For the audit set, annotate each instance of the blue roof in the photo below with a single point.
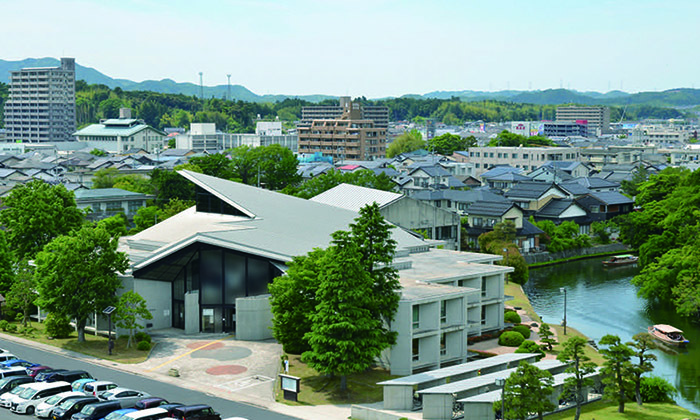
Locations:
(113, 128)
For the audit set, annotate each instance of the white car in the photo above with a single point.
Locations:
(4, 357)
(7, 398)
(35, 394)
(45, 409)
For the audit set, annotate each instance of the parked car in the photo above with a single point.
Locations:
(17, 362)
(44, 374)
(79, 385)
(68, 376)
(45, 409)
(35, 394)
(9, 396)
(119, 414)
(199, 412)
(13, 371)
(97, 387)
(11, 382)
(66, 410)
(97, 410)
(147, 414)
(150, 403)
(127, 397)
(4, 357)
(170, 407)
(33, 371)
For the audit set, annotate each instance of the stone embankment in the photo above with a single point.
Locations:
(541, 257)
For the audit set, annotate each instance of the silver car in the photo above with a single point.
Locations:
(126, 397)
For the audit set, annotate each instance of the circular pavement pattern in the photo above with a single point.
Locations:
(212, 346)
(226, 370)
(223, 354)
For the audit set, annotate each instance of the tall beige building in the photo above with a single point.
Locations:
(350, 137)
(598, 117)
(41, 104)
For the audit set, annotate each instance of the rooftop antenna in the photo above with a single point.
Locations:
(201, 86)
(228, 95)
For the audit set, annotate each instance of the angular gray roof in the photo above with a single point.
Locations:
(500, 170)
(510, 176)
(611, 197)
(531, 189)
(489, 208)
(107, 193)
(107, 129)
(468, 196)
(432, 170)
(592, 182)
(556, 206)
(353, 197)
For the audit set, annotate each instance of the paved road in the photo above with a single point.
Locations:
(170, 392)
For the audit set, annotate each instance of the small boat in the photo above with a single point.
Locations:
(620, 260)
(668, 334)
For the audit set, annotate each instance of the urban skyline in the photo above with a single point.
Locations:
(386, 48)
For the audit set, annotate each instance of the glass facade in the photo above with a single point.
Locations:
(219, 275)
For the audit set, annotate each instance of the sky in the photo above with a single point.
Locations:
(372, 48)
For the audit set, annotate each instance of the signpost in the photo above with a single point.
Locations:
(290, 386)
(110, 344)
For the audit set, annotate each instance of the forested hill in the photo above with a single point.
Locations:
(94, 102)
(681, 97)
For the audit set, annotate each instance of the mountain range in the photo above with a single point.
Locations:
(677, 98)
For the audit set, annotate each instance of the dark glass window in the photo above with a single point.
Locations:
(258, 276)
(179, 286)
(234, 277)
(209, 203)
(211, 276)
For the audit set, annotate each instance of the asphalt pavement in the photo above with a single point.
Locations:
(173, 393)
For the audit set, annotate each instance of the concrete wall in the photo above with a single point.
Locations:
(361, 412)
(551, 256)
(437, 406)
(399, 397)
(192, 312)
(253, 318)
(401, 351)
(158, 295)
(414, 214)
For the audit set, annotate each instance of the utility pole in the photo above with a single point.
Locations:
(228, 94)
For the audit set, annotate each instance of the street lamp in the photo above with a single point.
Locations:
(563, 289)
(501, 383)
(108, 311)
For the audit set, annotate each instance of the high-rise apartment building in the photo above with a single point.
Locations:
(41, 104)
(378, 114)
(597, 117)
(346, 137)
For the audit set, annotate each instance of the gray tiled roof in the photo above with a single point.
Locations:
(532, 189)
(611, 197)
(555, 207)
(489, 208)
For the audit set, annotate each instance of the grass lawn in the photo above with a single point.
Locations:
(520, 299)
(608, 411)
(317, 389)
(596, 357)
(93, 346)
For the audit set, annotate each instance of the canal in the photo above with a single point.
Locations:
(603, 301)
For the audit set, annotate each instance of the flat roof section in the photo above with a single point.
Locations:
(447, 372)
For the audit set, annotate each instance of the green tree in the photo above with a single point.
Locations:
(508, 139)
(173, 207)
(547, 337)
(345, 337)
(500, 242)
(333, 178)
(109, 108)
(7, 273)
(372, 234)
(144, 218)
(131, 307)
(105, 178)
(642, 344)
(447, 144)
(406, 142)
(616, 370)
(527, 390)
(278, 167)
(293, 300)
(631, 187)
(169, 185)
(22, 294)
(529, 346)
(116, 225)
(245, 163)
(98, 152)
(77, 274)
(216, 164)
(580, 367)
(35, 213)
(133, 183)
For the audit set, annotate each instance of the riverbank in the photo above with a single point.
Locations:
(543, 259)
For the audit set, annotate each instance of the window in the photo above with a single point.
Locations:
(525, 155)
(491, 154)
(443, 312)
(415, 352)
(443, 344)
(514, 155)
(416, 316)
(499, 155)
(483, 287)
(483, 315)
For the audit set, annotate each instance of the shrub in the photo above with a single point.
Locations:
(12, 328)
(655, 389)
(4, 325)
(57, 326)
(143, 345)
(511, 339)
(142, 336)
(512, 317)
(529, 346)
(28, 331)
(522, 329)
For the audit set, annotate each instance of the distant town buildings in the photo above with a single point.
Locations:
(526, 158)
(596, 117)
(350, 136)
(117, 135)
(204, 137)
(41, 104)
(376, 113)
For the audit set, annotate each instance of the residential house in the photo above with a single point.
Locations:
(559, 210)
(457, 200)
(403, 211)
(107, 202)
(532, 196)
(603, 206)
(485, 214)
